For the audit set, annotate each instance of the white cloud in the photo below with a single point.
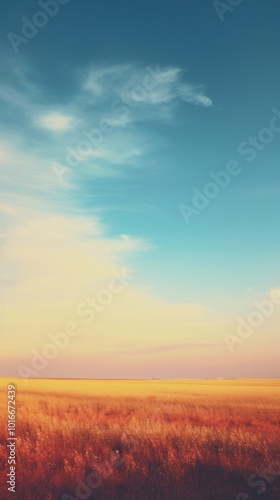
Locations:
(101, 80)
(274, 294)
(26, 170)
(114, 155)
(144, 95)
(195, 95)
(145, 85)
(56, 254)
(55, 121)
(53, 263)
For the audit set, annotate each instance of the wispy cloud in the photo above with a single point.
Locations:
(146, 85)
(54, 121)
(195, 95)
(104, 127)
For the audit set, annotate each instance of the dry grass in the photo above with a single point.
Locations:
(195, 440)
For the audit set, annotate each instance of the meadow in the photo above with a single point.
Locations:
(145, 439)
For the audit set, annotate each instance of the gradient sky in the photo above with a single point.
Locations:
(171, 91)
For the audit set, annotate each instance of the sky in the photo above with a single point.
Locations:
(140, 189)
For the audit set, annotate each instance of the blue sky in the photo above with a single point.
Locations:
(214, 85)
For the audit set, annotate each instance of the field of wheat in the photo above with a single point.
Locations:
(196, 440)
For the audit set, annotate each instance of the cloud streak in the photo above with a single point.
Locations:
(146, 85)
(171, 347)
(118, 102)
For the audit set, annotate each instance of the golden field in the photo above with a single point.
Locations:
(145, 439)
